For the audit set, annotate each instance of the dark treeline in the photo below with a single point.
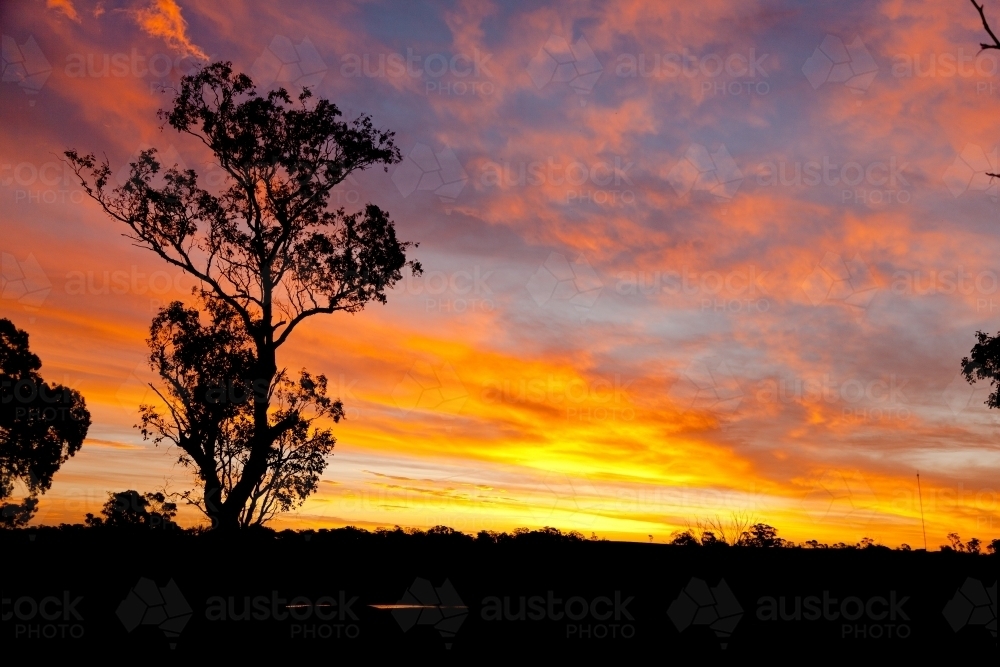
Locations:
(130, 512)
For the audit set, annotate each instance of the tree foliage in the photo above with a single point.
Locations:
(41, 425)
(984, 364)
(210, 397)
(130, 510)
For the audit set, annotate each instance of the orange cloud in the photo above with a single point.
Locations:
(64, 6)
(163, 19)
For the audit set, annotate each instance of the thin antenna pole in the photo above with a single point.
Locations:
(922, 524)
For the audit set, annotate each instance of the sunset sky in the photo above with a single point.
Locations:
(676, 263)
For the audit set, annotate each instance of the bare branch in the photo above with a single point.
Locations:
(989, 30)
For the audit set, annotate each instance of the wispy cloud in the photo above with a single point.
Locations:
(163, 19)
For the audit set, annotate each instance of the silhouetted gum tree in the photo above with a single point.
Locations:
(267, 246)
(41, 425)
(984, 364)
(209, 397)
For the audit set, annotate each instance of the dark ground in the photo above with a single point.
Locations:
(67, 592)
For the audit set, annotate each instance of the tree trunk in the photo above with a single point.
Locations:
(256, 466)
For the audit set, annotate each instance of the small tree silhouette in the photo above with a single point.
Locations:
(761, 535)
(41, 426)
(984, 364)
(955, 543)
(130, 510)
(266, 245)
(685, 539)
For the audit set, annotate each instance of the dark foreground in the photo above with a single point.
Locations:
(152, 598)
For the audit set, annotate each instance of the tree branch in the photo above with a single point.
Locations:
(989, 30)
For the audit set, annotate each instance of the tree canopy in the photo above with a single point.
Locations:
(41, 425)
